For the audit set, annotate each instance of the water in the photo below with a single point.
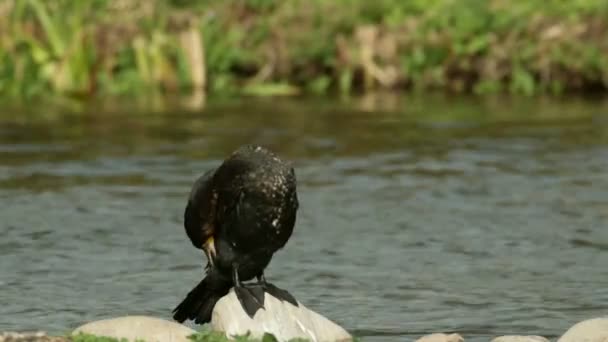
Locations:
(417, 215)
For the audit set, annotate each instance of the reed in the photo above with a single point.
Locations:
(269, 47)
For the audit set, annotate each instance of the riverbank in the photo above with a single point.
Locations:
(595, 329)
(261, 47)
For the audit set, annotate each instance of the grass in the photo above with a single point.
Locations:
(270, 47)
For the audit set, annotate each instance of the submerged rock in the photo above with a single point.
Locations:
(38, 336)
(149, 329)
(591, 330)
(440, 337)
(520, 338)
(281, 319)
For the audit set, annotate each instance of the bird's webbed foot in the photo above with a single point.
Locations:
(251, 296)
(276, 292)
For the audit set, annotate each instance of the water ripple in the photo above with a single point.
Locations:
(404, 229)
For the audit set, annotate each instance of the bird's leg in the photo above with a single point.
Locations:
(235, 276)
(275, 291)
(261, 279)
(251, 298)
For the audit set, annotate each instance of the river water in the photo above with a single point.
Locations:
(418, 214)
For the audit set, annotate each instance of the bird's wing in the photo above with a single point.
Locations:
(198, 216)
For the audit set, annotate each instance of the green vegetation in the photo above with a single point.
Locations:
(81, 337)
(261, 47)
(203, 336)
(209, 336)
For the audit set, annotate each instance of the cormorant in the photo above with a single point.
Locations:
(239, 214)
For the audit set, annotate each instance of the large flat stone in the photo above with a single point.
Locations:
(440, 337)
(149, 329)
(520, 338)
(282, 319)
(591, 330)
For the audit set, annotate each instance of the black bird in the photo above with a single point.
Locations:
(239, 214)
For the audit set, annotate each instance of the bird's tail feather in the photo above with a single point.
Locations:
(199, 303)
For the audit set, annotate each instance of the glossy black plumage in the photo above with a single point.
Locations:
(247, 206)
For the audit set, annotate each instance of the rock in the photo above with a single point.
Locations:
(520, 338)
(146, 328)
(281, 319)
(591, 330)
(439, 337)
(38, 336)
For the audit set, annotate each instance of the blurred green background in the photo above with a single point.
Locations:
(272, 47)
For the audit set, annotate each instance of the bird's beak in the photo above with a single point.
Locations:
(209, 248)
